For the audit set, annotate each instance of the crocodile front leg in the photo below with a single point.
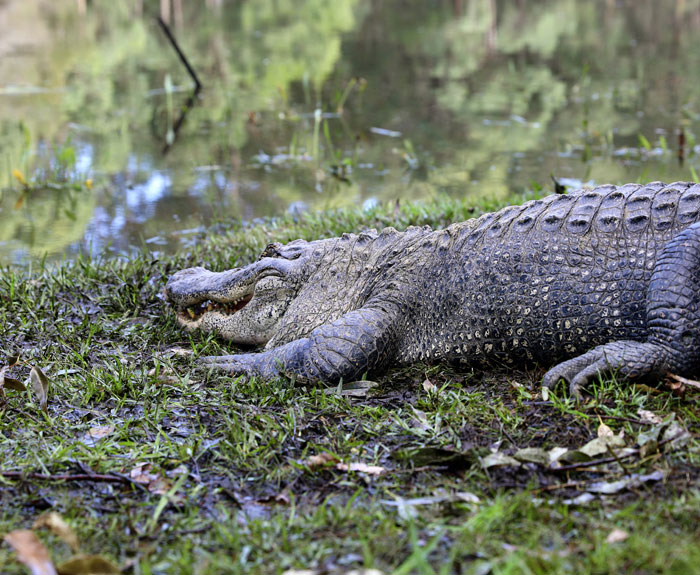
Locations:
(673, 321)
(358, 342)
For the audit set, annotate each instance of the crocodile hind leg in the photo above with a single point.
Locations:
(673, 323)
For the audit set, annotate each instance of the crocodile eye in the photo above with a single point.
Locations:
(271, 251)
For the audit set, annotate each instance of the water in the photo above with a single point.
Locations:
(320, 104)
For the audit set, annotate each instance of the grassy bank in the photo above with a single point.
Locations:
(163, 468)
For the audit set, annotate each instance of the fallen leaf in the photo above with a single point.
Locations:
(467, 497)
(532, 455)
(164, 376)
(352, 389)
(31, 552)
(583, 499)
(573, 456)
(281, 498)
(605, 431)
(55, 523)
(95, 434)
(320, 460)
(608, 487)
(675, 435)
(616, 536)
(648, 440)
(416, 501)
(9, 382)
(40, 386)
(678, 384)
(429, 386)
(179, 351)
(438, 457)
(88, 565)
(602, 444)
(420, 422)
(521, 389)
(498, 459)
(177, 471)
(154, 482)
(12, 383)
(362, 468)
(432, 499)
(556, 453)
(644, 388)
(630, 482)
(649, 416)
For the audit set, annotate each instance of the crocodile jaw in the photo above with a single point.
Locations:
(242, 305)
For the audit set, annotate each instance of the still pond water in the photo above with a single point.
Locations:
(320, 104)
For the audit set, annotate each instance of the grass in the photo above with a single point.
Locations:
(220, 475)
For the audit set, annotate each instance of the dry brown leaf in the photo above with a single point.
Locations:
(154, 482)
(179, 351)
(55, 523)
(319, 460)
(40, 386)
(94, 434)
(361, 467)
(617, 535)
(605, 431)
(678, 385)
(649, 416)
(12, 383)
(9, 382)
(31, 552)
(281, 498)
(429, 386)
(164, 376)
(88, 565)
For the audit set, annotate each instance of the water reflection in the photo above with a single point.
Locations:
(415, 99)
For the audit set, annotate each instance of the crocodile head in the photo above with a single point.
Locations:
(244, 305)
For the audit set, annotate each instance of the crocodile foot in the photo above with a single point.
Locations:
(626, 359)
(245, 364)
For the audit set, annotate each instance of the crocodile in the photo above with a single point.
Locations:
(599, 281)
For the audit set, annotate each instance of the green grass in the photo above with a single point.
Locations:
(237, 491)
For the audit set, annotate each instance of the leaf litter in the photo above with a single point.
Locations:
(30, 550)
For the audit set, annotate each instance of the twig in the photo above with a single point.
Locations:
(183, 58)
(595, 462)
(95, 477)
(630, 419)
(197, 84)
(181, 118)
(557, 486)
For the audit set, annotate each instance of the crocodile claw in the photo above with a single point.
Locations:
(233, 364)
(630, 360)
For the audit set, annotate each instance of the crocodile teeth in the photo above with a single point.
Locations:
(195, 311)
